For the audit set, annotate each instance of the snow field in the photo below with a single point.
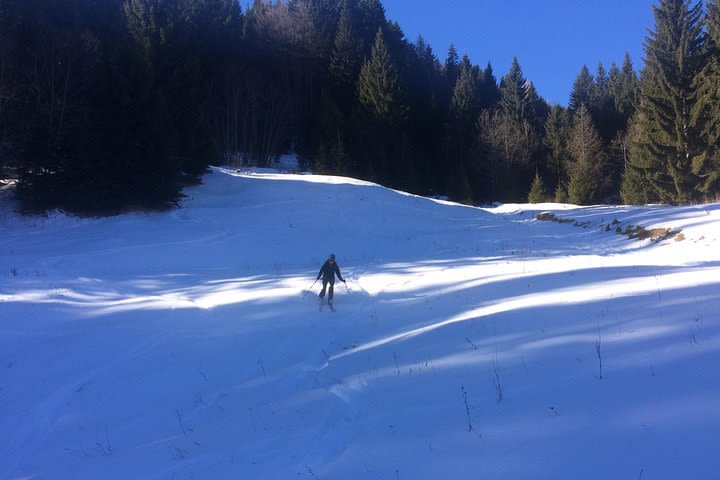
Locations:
(181, 345)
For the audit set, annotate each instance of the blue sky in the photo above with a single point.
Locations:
(551, 38)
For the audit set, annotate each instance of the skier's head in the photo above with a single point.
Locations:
(332, 257)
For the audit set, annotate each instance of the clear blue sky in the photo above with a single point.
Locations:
(551, 38)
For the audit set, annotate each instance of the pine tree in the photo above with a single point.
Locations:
(421, 46)
(537, 192)
(667, 143)
(489, 92)
(636, 187)
(602, 107)
(537, 108)
(451, 69)
(582, 91)
(618, 121)
(626, 94)
(378, 85)
(383, 114)
(462, 113)
(555, 141)
(465, 101)
(706, 113)
(587, 160)
(7, 47)
(370, 18)
(614, 81)
(601, 89)
(346, 54)
(513, 93)
(561, 195)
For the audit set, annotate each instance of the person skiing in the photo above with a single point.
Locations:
(328, 272)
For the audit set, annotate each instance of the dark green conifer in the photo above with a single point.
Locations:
(537, 108)
(465, 101)
(555, 141)
(667, 143)
(602, 107)
(706, 112)
(601, 88)
(451, 69)
(489, 92)
(537, 192)
(582, 91)
(378, 85)
(636, 188)
(346, 54)
(513, 93)
(587, 160)
(627, 94)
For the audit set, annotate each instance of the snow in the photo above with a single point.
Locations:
(180, 345)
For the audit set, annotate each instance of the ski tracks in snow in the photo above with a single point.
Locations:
(38, 425)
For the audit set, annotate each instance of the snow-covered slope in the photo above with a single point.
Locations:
(471, 343)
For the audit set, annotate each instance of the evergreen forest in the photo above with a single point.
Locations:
(109, 105)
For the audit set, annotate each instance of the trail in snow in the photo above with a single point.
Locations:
(180, 344)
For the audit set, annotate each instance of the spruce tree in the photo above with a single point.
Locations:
(602, 107)
(537, 192)
(346, 54)
(601, 89)
(706, 113)
(614, 81)
(7, 48)
(489, 92)
(465, 101)
(383, 113)
(378, 85)
(626, 94)
(667, 142)
(537, 108)
(561, 195)
(587, 160)
(462, 113)
(513, 94)
(636, 188)
(582, 91)
(371, 17)
(617, 120)
(555, 142)
(451, 68)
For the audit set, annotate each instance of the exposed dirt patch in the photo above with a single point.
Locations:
(550, 217)
(654, 234)
(633, 232)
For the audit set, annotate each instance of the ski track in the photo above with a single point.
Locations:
(30, 436)
(272, 388)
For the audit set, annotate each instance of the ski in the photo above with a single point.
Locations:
(329, 304)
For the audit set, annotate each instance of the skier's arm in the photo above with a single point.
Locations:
(337, 272)
(321, 270)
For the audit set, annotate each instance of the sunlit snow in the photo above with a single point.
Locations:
(468, 343)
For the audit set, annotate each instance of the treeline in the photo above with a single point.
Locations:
(110, 104)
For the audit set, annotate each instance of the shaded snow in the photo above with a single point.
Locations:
(181, 345)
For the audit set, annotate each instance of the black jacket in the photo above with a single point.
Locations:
(328, 272)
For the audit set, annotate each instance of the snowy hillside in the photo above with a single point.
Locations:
(470, 343)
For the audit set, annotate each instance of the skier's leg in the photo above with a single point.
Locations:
(324, 285)
(330, 292)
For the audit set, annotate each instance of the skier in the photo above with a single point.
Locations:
(328, 272)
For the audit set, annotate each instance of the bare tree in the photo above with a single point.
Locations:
(509, 143)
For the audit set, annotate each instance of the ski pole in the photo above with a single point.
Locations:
(311, 286)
